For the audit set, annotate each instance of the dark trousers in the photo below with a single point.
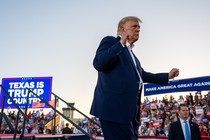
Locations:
(121, 131)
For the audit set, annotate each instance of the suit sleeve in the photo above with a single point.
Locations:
(171, 132)
(158, 78)
(196, 134)
(107, 53)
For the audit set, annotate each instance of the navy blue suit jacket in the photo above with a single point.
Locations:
(176, 133)
(117, 91)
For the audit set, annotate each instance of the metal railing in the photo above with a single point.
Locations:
(57, 98)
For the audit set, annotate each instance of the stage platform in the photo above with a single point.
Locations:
(45, 137)
(73, 137)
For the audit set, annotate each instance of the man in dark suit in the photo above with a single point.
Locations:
(67, 130)
(120, 76)
(177, 130)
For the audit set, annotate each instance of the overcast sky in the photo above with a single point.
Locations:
(59, 39)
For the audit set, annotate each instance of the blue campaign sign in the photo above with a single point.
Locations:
(184, 85)
(17, 88)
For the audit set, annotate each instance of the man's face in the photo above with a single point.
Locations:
(184, 112)
(132, 29)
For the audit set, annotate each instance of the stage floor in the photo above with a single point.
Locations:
(73, 137)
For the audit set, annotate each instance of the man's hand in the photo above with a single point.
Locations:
(124, 38)
(173, 73)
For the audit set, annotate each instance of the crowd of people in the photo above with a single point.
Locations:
(156, 116)
(36, 124)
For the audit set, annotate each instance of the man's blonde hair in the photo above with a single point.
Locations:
(124, 20)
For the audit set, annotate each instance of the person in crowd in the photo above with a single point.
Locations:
(49, 117)
(85, 122)
(159, 131)
(184, 129)
(42, 116)
(203, 129)
(46, 130)
(58, 130)
(37, 114)
(196, 98)
(191, 98)
(166, 131)
(75, 130)
(67, 130)
(151, 130)
(144, 130)
(29, 115)
(174, 116)
(25, 130)
(85, 128)
(35, 130)
(33, 114)
(120, 78)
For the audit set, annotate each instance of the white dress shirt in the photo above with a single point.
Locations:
(183, 126)
(134, 61)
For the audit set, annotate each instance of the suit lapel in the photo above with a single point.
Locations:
(131, 60)
(191, 129)
(180, 129)
(138, 65)
(137, 61)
